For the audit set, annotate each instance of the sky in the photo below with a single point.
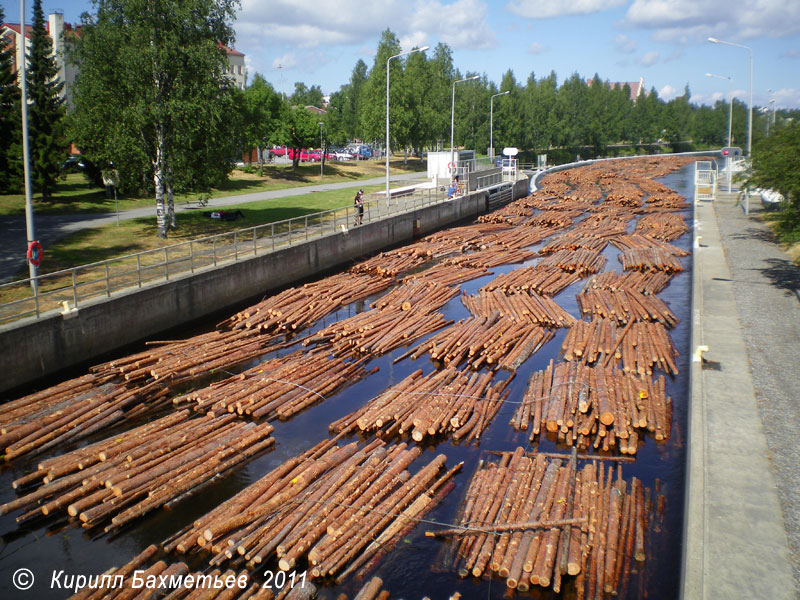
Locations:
(663, 41)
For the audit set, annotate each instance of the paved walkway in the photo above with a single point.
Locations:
(50, 228)
(738, 513)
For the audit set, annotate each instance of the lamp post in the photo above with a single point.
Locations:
(387, 112)
(32, 270)
(730, 121)
(750, 112)
(491, 119)
(453, 112)
(321, 151)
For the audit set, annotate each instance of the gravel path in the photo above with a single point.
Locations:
(767, 289)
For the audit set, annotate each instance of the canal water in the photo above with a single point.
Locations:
(412, 570)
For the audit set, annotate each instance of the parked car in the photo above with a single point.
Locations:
(361, 151)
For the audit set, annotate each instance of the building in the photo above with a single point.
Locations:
(67, 72)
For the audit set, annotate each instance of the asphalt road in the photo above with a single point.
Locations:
(50, 228)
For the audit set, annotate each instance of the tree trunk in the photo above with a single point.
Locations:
(170, 201)
(158, 179)
(405, 154)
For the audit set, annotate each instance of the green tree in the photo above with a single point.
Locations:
(152, 96)
(263, 111)
(305, 96)
(46, 128)
(373, 96)
(300, 130)
(10, 131)
(776, 163)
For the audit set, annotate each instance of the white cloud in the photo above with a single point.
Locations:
(787, 98)
(667, 92)
(459, 23)
(624, 44)
(548, 9)
(537, 48)
(649, 59)
(694, 20)
(793, 54)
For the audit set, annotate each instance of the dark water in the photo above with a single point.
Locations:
(410, 570)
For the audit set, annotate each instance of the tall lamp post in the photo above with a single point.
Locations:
(32, 270)
(491, 119)
(387, 112)
(453, 112)
(750, 113)
(730, 121)
(321, 151)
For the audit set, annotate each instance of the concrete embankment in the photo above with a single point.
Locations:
(34, 348)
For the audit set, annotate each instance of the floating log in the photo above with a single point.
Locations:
(546, 281)
(533, 308)
(447, 402)
(582, 261)
(586, 404)
(624, 305)
(580, 525)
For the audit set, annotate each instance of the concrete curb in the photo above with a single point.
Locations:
(735, 543)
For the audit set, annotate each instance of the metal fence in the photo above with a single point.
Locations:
(71, 288)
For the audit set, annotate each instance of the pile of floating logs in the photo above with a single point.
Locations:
(389, 264)
(280, 387)
(379, 331)
(532, 308)
(335, 506)
(489, 258)
(574, 241)
(73, 410)
(447, 402)
(662, 226)
(555, 218)
(547, 281)
(446, 274)
(299, 307)
(624, 305)
(535, 521)
(647, 282)
(414, 293)
(650, 259)
(639, 241)
(594, 405)
(125, 476)
(582, 261)
(641, 346)
(495, 342)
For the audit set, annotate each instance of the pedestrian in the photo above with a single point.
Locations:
(359, 204)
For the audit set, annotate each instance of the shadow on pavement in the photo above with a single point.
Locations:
(783, 274)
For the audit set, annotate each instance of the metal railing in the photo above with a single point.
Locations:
(73, 287)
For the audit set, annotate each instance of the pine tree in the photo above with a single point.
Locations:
(48, 145)
(10, 132)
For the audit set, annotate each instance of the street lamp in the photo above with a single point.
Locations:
(750, 114)
(730, 122)
(321, 151)
(387, 112)
(25, 152)
(453, 112)
(491, 119)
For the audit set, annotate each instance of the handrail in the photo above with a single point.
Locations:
(73, 286)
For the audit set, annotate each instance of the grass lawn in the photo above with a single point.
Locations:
(75, 195)
(137, 235)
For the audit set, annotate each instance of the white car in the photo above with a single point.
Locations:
(343, 156)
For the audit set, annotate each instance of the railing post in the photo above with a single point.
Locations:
(306, 227)
(166, 264)
(74, 289)
(290, 232)
(191, 256)
(214, 247)
(235, 246)
(255, 247)
(108, 282)
(139, 269)
(36, 300)
(272, 235)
